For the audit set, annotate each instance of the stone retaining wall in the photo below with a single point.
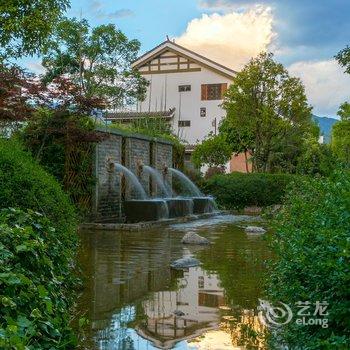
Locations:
(130, 151)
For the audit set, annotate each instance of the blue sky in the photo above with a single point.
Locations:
(304, 34)
(315, 29)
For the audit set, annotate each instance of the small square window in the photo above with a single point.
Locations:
(183, 88)
(184, 123)
(203, 112)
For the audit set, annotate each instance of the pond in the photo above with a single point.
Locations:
(134, 300)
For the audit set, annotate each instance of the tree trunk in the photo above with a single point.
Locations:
(246, 161)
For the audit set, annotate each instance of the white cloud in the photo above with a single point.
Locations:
(34, 66)
(231, 38)
(326, 85)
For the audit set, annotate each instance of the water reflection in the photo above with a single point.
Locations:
(135, 301)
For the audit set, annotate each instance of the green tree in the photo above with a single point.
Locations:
(344, 111)
(270, 109)
(213, 151)
(341, 135)
(26, 24)
(316, 159)
(343, 58)
(96, 59)
(239, 137)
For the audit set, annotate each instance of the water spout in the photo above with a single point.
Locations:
(133, 180)
(157, 177)
(186, 183)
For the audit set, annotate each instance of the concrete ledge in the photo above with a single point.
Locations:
(145, 225)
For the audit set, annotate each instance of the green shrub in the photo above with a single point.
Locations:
(24, 184)
(311, 244)
(238, 190)
(35, 283)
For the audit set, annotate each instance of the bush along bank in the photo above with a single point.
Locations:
(25, 184)
(36, 283)
(238, 190)
(312, 264)
(38, 243)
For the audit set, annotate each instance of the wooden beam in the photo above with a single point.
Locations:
(171, 71)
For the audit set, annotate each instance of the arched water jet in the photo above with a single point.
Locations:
(186, 183)
(157, 177)
(134, 181)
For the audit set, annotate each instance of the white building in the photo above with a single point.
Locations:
(185, 88)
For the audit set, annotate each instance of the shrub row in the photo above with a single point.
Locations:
(312, 259)
(238, 190)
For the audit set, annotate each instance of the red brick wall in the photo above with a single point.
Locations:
(238, 163)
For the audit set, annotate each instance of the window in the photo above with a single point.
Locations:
(203, 112)
(213, 91)
(200, 282)
(184, 123)
(184, 88)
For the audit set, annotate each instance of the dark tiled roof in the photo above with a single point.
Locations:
(137, 115)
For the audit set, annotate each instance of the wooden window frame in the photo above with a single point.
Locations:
(207, 95)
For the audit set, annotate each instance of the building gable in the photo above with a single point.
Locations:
(169, 57)
(168, 61)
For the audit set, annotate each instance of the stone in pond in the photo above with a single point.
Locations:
(179, 313)
(184, 263)
(193, 238)
(254, 229)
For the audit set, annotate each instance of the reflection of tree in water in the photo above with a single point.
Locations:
(245, 329)
(239, 261)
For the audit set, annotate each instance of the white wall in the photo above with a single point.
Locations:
(187, 103)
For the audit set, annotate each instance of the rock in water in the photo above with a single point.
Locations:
(193, 238)
(179, 313)
(254, 229)
(184, 262)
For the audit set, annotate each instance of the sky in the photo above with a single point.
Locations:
(304, 35)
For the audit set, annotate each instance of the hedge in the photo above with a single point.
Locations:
(239, 190)
(311, 246)
(35, 283)
(24, 184)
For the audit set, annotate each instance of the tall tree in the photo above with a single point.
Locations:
(341, 130)
(344, 111)
(268, 109)
(343, 58)
(341, 135)
(96, 59)
(26, 24)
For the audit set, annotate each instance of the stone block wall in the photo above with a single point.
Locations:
(107, 195)
(111, 189)
(162, 157)
(137, 152)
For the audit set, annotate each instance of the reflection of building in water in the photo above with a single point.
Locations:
(172, 315)
(135, 301)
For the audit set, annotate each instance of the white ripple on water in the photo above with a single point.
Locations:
(216, 220)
